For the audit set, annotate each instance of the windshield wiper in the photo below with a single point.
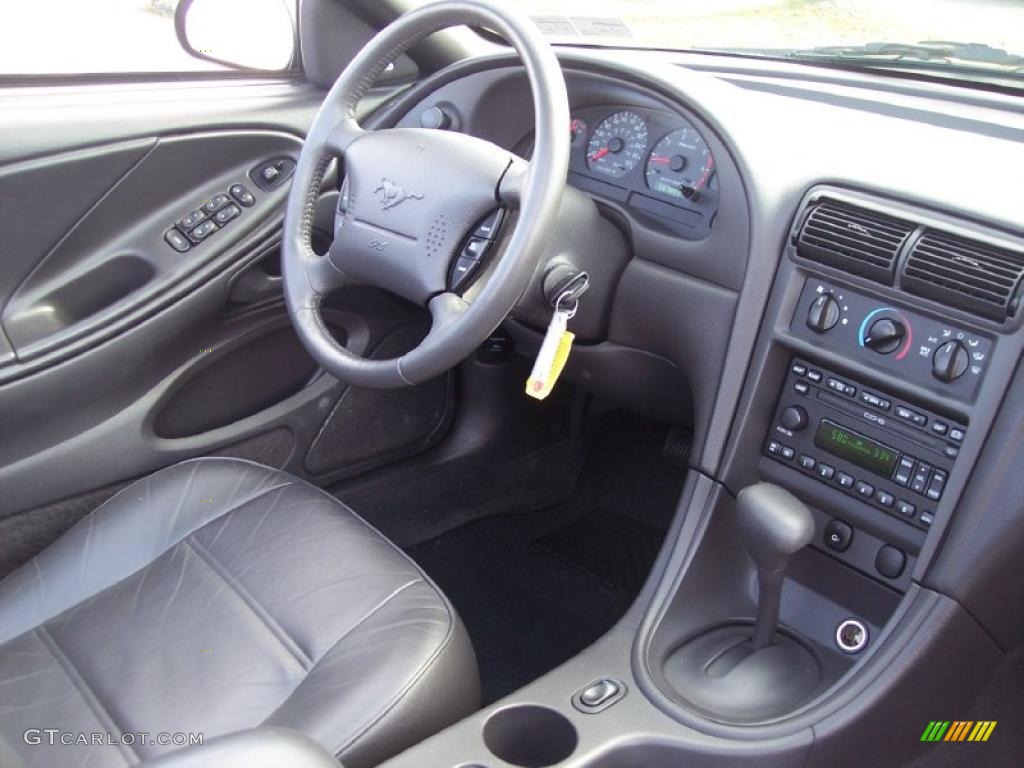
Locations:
(937, 53)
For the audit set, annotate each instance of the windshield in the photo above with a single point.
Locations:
(970, 39)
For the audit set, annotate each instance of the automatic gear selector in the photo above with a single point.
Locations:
(733, 671)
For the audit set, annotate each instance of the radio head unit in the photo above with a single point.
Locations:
(890, 454)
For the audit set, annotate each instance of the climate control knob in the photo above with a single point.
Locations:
(794, 418)
(824, 313)
(950, 361)
(885, 335)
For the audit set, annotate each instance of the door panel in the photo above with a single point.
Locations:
(119, 354)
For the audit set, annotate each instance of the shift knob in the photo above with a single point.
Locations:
(774, 524)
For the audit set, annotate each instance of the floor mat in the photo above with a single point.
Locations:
(535, 589)
(616, 550)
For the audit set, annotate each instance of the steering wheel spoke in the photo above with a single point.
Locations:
(324, 277)
(341, 137)
(510, 188)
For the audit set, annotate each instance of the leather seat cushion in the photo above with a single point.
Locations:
(218, 595)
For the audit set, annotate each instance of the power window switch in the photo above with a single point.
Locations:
(193, 218)
(203, 231)
(226, 214)
(215, 203)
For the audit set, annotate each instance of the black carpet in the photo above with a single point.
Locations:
(536, 589)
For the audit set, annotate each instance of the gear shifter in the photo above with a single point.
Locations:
(724, 670)
(774, 524)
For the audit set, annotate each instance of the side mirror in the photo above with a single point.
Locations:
(242, 34)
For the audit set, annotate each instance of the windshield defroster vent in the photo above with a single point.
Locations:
(853, 239)
(966, 274)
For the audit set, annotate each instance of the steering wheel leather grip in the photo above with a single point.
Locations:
(413, 195)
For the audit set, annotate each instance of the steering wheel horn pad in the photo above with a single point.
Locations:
(411, 196)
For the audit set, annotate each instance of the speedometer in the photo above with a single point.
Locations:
(618, 144)
(680, 165)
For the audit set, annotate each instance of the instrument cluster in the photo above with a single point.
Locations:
(656, 163)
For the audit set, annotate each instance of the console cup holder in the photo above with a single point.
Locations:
(530, 736)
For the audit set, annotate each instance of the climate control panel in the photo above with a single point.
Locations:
(916, 347)
(893, 455)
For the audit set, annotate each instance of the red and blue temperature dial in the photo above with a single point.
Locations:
(886, 331)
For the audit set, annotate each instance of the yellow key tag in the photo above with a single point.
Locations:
(551, 358)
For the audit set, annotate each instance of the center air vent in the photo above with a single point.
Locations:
(964, 273)
(853, 239)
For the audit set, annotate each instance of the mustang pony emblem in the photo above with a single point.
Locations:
(391, 194)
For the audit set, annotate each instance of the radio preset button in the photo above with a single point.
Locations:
(814, 376)
(799, 370)
(825, 472)
(905, 508)
(844, 480)
(940, 427)
(885, 499)
(801, 387)
(926, 519)
(865, 489)
(808, 462)
(787, 453)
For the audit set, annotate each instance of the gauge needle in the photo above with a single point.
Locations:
(659, 160)
(599, 154)
(707, 173)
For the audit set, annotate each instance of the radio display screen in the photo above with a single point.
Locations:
(855, 448)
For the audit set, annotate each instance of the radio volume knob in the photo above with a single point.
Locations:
(824, 313)
(950, 361)
(794, 418)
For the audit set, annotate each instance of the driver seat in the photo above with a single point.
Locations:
(214, 596)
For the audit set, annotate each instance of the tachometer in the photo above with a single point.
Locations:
(680, 165)
(618, 144)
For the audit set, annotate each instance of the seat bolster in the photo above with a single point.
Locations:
(127, 533)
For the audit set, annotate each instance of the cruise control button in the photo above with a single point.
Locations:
(242, 195)
(215, 203)
(474, 249)
(227, 213)
(844, 480)
(176, 240)
(489, 226)
(464, 267)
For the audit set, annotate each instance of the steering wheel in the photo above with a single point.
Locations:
(412, 196)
